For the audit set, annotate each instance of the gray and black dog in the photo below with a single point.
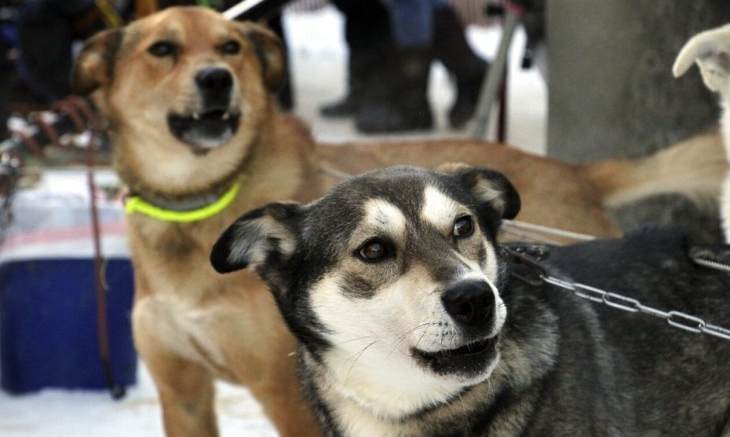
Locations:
(410, 323)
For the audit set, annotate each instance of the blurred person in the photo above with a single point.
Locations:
(46, 32)
(8, 44)
(392, 45)
(370, 42)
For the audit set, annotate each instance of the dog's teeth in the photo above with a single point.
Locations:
(227, 115)
(196, 116)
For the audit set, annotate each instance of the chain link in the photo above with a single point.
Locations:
(527, 259)
(677, 319)
(712, 264)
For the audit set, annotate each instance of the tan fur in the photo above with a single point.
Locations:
(540, 181)
(692, 167)
(562, 195)
(228, 327)
(192, 325)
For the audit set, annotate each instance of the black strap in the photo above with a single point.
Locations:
(524, 261)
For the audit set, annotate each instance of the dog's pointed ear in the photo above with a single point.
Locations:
(711, 51)
(263, 236)
(269, 52)
(487, 186)
(94, 67)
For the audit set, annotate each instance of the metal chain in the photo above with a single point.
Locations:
(529, 257)
(677, 319)
(705, 260)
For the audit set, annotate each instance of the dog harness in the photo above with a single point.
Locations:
(136, 204)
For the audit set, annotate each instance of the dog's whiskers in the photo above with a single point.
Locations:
(419, 340)
(356, 357)
(364, 337)
(403, 337)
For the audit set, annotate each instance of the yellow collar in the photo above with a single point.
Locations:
(136, 204)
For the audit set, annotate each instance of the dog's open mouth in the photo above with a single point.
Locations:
(468, 360)
(204, 130)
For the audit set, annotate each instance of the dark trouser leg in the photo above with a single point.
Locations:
(468, 70)
(396, 97)
(399, 102)
(368, 36)
(44, 31)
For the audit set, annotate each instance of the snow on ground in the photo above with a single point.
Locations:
(318, 56)
(58, 413)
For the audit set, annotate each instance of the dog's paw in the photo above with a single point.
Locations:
(711, 51)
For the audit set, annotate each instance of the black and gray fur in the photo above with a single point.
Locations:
(558, 366)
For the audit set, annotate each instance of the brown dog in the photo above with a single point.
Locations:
(567, 196)
(197, 138)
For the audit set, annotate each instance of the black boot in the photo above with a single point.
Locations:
(369, 38)
(360, 67)
(345, 107)
(467, 69)
(396, 100)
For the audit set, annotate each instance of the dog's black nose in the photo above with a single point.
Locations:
(214, 79)
(470, 303)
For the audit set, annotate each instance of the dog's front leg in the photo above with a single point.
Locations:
(282, 402)
(185, 387)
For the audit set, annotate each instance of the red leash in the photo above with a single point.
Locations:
(116, 390)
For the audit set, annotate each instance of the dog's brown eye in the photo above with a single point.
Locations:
(374, 250)
(162, 49)
(463, 227)
(230, 48)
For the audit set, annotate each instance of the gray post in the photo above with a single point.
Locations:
(611, 90)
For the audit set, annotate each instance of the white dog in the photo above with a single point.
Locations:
(711, 51)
